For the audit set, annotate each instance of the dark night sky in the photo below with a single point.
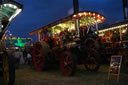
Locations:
(38, 13)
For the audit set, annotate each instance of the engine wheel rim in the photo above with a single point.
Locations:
(38, 56)
(5, 69)
(66, 64)
(91, 61)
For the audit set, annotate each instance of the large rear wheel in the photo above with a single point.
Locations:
(92, 62)
(38, 56)
(68, 64)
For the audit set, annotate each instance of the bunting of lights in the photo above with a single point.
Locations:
(97, 17)
(7, 35)
(58, 26)
(113, 28)
(10, 11)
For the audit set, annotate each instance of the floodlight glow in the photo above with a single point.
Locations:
(15, 14)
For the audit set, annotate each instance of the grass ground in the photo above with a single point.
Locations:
(27, 76)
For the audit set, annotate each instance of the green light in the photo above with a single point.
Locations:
(20, 42)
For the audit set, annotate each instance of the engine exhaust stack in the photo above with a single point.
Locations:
(76, 10)
(125, 9)
(76, 6)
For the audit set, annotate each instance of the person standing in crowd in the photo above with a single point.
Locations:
(11, 61)
(18, 54)
(25, 52)
(21, 57)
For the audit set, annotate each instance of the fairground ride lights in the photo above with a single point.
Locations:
(14, 7)
(10, 5)
(15, 14)
(113, 28)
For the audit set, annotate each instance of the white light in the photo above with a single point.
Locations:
(93, 14)
(10, 34)
(15, 7)
(89, 13)
(102, 17)
(10, 5)
(5, 5)
(98, 15)
(112, 28)
(101, 34)
(79, 14)
(74, 15)
(123, 31)
(72, 28)
(15, 14)
(85, 13)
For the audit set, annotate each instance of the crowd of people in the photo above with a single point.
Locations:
(15, 58)
(22, 55)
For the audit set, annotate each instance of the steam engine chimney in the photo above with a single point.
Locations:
(125, 9)
(76, 10)
(76, 6)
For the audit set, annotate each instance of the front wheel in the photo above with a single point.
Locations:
(68, 64)
(92, 61)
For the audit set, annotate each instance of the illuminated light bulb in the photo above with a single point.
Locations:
(102, 18)
(93, 14)
(15, 7)
(79, 14)
(89, 13)
(10, 34)
(98, 15)
(5, 5)
(74, 15)
(98, 20)
(9, 5)
(123, 31)
(85, 13)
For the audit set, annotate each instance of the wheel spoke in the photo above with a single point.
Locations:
(91, 62)
(67, 64)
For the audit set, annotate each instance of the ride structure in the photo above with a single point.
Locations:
(9, 9)
(60, 44)
(114, 37)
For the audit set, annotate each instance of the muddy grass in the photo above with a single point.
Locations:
(28, 76)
